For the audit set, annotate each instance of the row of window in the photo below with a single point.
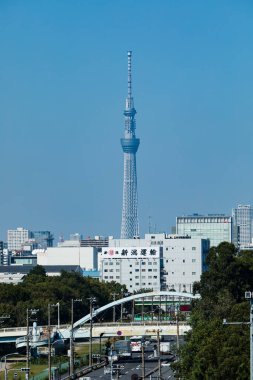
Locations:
(136, 284)
(136, 263)
(183, 248)
(193, 260)
(193, 273)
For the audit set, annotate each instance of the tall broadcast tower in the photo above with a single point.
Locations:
(130, 144)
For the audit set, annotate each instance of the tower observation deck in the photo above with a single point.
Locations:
(130, 144)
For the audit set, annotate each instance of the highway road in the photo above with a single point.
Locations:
(129, 367)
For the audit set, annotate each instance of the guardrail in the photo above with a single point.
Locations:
(84, 371)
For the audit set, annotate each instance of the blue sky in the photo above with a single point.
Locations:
(63, 75)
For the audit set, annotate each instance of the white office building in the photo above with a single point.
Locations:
(135, 267)
(17, 238)
(215, 227)
(177, 263)
(242, 221)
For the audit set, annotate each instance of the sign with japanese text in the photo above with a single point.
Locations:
(130, 252)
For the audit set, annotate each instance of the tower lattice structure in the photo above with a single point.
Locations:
(130, 144)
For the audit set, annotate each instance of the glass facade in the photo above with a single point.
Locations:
(216, 228)
(242, 220)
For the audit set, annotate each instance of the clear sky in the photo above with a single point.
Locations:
(63, 83)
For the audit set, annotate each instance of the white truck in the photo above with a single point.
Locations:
(165, 347)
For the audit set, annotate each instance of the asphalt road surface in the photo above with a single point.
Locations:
(134, 366)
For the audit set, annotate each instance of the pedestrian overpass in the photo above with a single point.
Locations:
(151, 327)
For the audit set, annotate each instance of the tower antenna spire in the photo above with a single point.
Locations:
(129, 60)
(129, 144)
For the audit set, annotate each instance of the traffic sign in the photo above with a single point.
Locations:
(25, 369)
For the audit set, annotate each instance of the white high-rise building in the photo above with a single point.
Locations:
(17, 238)
(242, 220)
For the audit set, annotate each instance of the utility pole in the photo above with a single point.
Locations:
(121, 306)
(142, 360)
(177, 322)
(249, 296)
(159, 355)
(49, 340)
(92, 301)
(114, 310)
(71, 367)
(29, 312)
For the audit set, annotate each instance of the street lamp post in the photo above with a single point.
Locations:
(5, 363)
(29, 313)
(71, 369)
(92, 301)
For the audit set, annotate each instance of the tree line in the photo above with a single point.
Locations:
(37, 290)
(213, 349)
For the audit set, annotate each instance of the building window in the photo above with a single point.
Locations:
(117, 263)
(117, 277)
(144, 283)
(117, 270)
(137, 270)
(172, 272)
(183, 273)
(154, 263)
(110, 270)
(130, 272)
(136, 276)
(183, 261)
(149, 276)
(150, 270)
(154, 270)
(143, 263)
(110, 263)
(194, 248)
(193, 260)
(130, 265)
(137, 283)
(193, 273)
(149, 263)
(111, 277)
(106, 276)
(106, 270)
(143, 270)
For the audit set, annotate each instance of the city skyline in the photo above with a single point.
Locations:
(62, 91)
